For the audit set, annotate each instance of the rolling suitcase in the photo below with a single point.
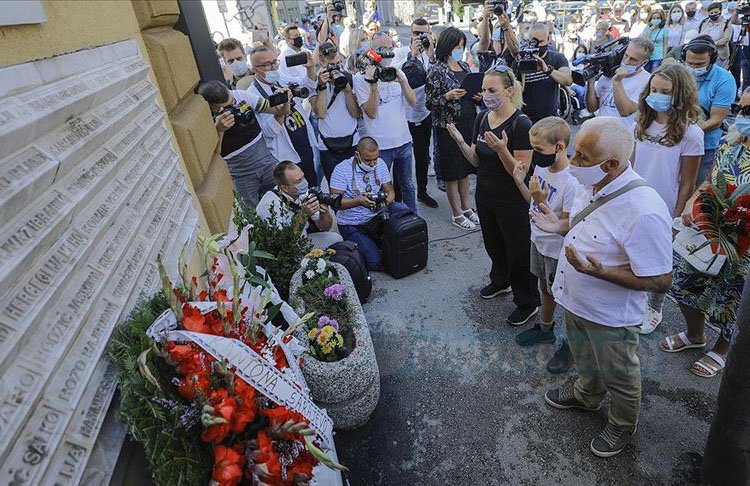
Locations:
(404, 244)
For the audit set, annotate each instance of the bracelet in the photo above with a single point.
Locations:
(549, 71)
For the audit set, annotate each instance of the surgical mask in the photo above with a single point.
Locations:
(659, 102)
(656, 22)
(630, 69)
(644, 16)
(698, 72)
(297, 41)
(364, 45)
(238, 68)
(714, 17)
(365, 167)
(588, 176)
(690, 15)
(600, 35)
(493, 101)
(525, 36)
(742, 124)
(457, 54)
(302, 188)
(675, 16)
(543, 160)
(271, 77)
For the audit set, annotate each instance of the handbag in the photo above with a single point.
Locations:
(693, 246)
(339, 145)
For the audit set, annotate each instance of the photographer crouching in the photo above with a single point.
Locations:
(293, 202)
(368, 199)
(541, 72)
(616, 78)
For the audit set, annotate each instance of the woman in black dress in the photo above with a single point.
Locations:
(450, 104)
(500, 145)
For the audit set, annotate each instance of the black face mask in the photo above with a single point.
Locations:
(297, 42)
(690, 15)
(543, 160)
(714, 17)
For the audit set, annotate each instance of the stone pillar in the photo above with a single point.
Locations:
(177, 77)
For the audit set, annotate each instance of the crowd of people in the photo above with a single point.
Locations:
(357, 110)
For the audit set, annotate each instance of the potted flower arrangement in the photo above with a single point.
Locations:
(212, 388)
(340, 365)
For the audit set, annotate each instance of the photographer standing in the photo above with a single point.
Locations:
(365, 183)
(719, 30)
(294, 45)
(421, 54)
(233, 54)
(501, 42)
(541, 95)
(288, 131)
(336, 107)
(241, 142)
(384, 105)
(618, 96)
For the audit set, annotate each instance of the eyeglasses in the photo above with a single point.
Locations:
(268, 64)
(737, 109)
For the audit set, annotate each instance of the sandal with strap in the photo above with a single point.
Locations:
(706, 369)
(471, 215)
(464, 223)
(669, 343)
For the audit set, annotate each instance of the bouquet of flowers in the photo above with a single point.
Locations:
(255, 438)
(315, 264)
(721, 213)
(326, 343)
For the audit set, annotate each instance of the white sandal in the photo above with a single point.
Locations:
(472, 216)
(705, 369)
(464, 224)
(671, 344)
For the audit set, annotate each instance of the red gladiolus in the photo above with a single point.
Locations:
(227, 466)
(269, 457)
(304, 464)
(224, 407)
(203, 296)
(221, 296)
(193, 385)
(193, 320)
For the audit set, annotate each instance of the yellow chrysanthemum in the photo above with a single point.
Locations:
(311, 334)
(316, 253)
(325, 334)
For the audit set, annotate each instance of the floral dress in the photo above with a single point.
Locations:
(718, 297)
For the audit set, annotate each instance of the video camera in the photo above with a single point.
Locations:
(331, 200)
(243, 114)
(338, 78)
(499, 7)
(602, 61)
(374, 57)
(525, 59)
(381, 205)
(743, 11)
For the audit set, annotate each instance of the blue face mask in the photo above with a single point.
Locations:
(742, 124)
(659, 102)
(656, 22)
(272, 77)
(630, 69)
(457, 54)
(698, 72)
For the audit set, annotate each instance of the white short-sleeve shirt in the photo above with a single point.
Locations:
(642, 239)
(344, 178)
(562, 189)
(632, 85)
(660, 165)
(389, 128)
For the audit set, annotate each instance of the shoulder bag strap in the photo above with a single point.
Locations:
(604, 200)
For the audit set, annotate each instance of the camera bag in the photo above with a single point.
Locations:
(350, 256)
(404, 243)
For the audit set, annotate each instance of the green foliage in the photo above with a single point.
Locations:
(176, 455)
(311, 293)
(276, 239)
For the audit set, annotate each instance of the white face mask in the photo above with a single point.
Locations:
(239, 68)
(675, 16)
(588, 176)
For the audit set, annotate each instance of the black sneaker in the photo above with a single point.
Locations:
(535, 335)
(441, 185)
(520, 317)
(492, 290)
(562, 360)
(425, 199)
(564, 399)
(611, 440)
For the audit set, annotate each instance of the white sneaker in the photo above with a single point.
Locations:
(651, 321)
(431, 170)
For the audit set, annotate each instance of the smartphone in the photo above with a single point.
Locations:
(296, 59)
(277, 99)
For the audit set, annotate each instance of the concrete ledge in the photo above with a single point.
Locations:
(155, 13)
(196, 136)
(173, 64)
(216, 196)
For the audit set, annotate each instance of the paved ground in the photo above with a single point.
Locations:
(461, 403)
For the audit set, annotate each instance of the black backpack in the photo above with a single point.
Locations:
(351, 257)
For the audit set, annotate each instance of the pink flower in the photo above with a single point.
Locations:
(327, 321)
(335, 292)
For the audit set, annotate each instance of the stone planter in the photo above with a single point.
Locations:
(348, 389)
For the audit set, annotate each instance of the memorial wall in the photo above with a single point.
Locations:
(91, 192)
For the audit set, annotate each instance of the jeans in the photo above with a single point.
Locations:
(580, 92)
(366, 240)
(252, 172)
(329, 161)
(704, 169)
(745, 66)
(400, 158)
(420, 135)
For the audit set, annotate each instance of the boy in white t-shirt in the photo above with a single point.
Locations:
(553, 186)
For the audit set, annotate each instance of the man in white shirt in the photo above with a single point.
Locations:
(384, 105)
(288, 133)
(618, 96)
(336, 108)
(294, 45)
(420, 121)
(607, 266)
(694, 18)
(290, 203)
(233, 54)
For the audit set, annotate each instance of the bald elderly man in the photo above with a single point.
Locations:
(617, 247)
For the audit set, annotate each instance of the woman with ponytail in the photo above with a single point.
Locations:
(500, 143)
(668, 149)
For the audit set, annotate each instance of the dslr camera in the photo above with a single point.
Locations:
(338, 5)
(424, 40)
(743, 10)
(375, 57)
(525, 59)
(331, 200)
(298, 91)
(602, 61)
(381, 205)
(499, 7)
(338, 78)
(243, 114)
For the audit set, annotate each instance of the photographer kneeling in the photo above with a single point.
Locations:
(368, 199)
(292, 202)
(618, 95)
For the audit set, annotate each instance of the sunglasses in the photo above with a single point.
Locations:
(737, 109)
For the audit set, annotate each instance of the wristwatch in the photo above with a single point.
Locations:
(549, 70)
(320, 87)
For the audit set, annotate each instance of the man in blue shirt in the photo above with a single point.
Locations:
(359, 179)
(717, 91)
